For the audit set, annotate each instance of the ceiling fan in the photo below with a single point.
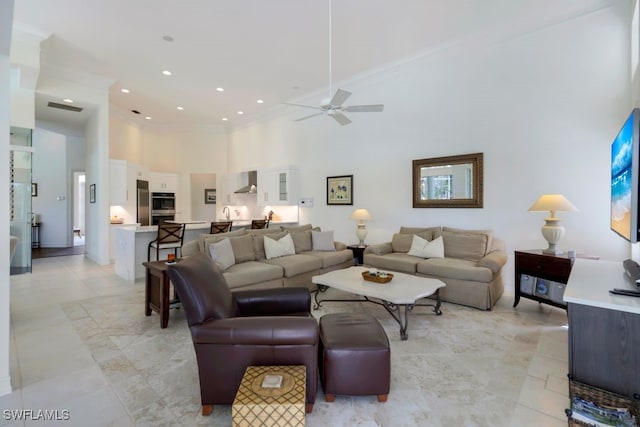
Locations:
(335, 108)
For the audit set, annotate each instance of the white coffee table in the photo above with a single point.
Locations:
(398, 297)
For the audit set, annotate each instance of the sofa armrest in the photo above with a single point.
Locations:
(190, 248)
(340, 246)
(494, 261)
(259, 330)
(273, 302)
(379, 249)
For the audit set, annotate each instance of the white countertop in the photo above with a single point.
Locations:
(197, 225)
(591, 280)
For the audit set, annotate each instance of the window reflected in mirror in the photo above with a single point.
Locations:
(448, 182)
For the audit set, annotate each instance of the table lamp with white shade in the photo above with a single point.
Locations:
(552, 230)
(361, 231)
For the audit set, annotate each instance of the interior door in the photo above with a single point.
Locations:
(22, 223)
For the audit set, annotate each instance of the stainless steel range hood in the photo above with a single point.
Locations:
(251, 187)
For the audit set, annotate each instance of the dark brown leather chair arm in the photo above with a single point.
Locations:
(273, 302)
(267, 330)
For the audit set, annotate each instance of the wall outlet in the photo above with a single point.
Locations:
(306, 202)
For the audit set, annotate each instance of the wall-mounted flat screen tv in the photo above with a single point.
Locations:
(624, 179)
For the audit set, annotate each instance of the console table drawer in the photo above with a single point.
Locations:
(546, 267)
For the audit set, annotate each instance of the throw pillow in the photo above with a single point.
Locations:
(222, 254)
(427, 249)
(278, 248)
(322, 241)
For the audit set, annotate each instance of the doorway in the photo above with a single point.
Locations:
(79, 229)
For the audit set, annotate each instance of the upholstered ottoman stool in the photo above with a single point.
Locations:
(354, 356)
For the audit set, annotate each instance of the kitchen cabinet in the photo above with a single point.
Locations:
(118, 182)
(163, 182)
(122, 179)
(278, 187)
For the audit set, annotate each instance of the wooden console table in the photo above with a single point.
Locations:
(156, 291)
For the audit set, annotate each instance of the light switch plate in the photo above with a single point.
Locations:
(306, 202)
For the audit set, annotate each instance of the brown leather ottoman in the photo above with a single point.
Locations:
(354, 356)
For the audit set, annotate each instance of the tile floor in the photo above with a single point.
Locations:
(80, 342)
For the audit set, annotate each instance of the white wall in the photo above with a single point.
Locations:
(543, 107)
(200, 210)
(6, 23)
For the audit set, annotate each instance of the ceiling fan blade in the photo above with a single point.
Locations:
(341, 118)
(339, 98)
(308, 117)
(305, 106)
(363, 108)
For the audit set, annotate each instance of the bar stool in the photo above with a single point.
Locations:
(259, 223)
(220, 227)
(170, 236)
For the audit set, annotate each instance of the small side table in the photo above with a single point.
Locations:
(156, 291)
(358, 253)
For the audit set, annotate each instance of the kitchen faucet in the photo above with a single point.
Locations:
(226, 212)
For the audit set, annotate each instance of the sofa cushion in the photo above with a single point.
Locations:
(258, 241)
(396, 261)
(251, 272)
(401, 242)
(322, 241)
(222, 254)
(296, 264)
(292, 228)
(331, 258)
(470, 246)
(427, 249)
(455, 269)
(488, 233)
(424, 232)
(243, 248)
(302, 240)
(276, 248)
(204, 240)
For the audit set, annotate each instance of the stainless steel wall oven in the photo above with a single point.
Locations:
(163, 207)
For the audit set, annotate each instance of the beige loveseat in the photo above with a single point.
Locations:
(251, 269)
(471, 266)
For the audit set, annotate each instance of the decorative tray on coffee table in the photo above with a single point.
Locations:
(376, 277)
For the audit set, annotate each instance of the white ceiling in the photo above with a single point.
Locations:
(274, 50)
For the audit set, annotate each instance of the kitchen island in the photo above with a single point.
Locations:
(131, 243)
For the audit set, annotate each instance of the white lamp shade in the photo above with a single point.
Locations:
(361, 214)
(553, 203)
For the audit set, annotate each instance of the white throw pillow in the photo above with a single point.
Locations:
(222, 254)
(277, 248)
(427, 249)
(322, 240)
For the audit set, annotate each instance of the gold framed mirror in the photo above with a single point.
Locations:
(448, 182)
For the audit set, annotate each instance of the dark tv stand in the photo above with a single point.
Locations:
(604, 344)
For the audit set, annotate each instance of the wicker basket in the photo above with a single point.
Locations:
(600, 398)
(375, 278)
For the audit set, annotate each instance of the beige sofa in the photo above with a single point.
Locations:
(251, 268)
(471, 267)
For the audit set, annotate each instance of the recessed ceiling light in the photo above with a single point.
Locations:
(224, 119)
(124, 90)
(166, 72)
(260, 101)
(240, 112)
(70, 101)
(148, 117)
(220, 89)
(180, 108)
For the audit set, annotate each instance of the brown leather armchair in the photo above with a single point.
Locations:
(233, 330)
